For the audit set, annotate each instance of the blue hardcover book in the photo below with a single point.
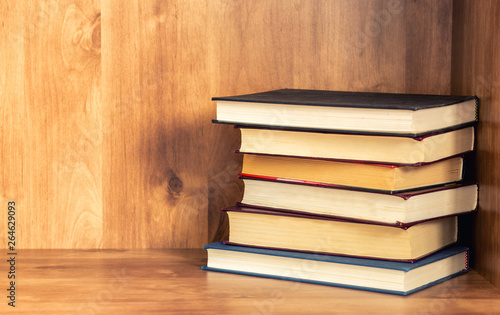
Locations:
(357, 273)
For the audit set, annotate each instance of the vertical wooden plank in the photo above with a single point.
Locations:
(369, 48)
(155, 151)
(54, 109)
(81, 178)
(428, 37)
(343, 45)
(475, 70)
(12, 112)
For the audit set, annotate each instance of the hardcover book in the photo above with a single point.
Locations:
(299, 232)
(378, 207)
(355, 147)
(355, 273)
(387, 113)
(390, 178)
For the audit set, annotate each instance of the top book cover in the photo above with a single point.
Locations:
(410, 115)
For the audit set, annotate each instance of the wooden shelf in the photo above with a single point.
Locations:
(107, 140)
(171, 281)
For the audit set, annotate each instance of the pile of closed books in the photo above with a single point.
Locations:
(349, 189)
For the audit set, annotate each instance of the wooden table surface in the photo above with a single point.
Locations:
(171, 282)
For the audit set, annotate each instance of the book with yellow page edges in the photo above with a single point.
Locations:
(391, 178)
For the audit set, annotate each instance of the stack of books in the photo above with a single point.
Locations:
(350, 189)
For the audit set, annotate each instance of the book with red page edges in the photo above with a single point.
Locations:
(374, 163)
(391, 178)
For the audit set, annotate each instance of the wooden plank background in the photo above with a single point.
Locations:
(106, 140)
(106, 134)
(50, 85)
(476, 70)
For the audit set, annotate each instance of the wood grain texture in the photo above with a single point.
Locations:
(12, 109)
(344, 45)
(428, 46)
(158, 144)
(113, 145)
(171, 282)
(50, 102)
(476, 70)
(169, 169)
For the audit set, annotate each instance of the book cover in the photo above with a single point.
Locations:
(380, 207)
(398, 101)
(418, 136)
(381, 149)
(302, 232)
(241, 207)
(391, 178)
(362, 162)
(407, 115)
(407, 194)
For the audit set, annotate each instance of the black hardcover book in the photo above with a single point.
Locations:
(360, 112)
